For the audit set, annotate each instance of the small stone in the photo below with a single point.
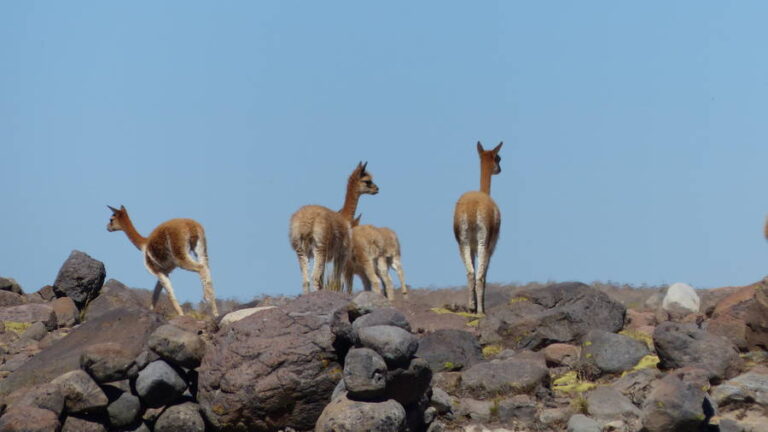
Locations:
(177, 346)
(185, 417)
(79, 424)
(441, 400)
(29, 419)
(80, 278)
(382, 316)
(81, 393)
(66, 312)
(10, 285)
(367, 301)
(124, 411)
(107, 362)
(394, 344)
(365, 374)
(36, 332)
(582, 423)
(159, 384)
(345, 415)
(681, 299)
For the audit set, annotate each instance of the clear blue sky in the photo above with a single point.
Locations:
(635, 134)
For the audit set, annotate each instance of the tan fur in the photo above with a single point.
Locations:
(374, 251)
(169, 246)
(318, 233)
(476, 224)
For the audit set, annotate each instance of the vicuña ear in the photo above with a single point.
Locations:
(122, 208)
(114, 210)
(480, 149)
(362, 168)
(498, 147)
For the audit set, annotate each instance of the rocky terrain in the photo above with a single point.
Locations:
(87, 355)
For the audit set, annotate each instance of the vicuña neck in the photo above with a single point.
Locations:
(350, 200)
(132, 234)
(486, 170)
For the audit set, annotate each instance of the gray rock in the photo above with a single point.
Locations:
(141, 427)
(382, 316)
(368, 301)
(441, 400)
(108, 361)
(80, 278)
(181, 418)
(46, 293)
(29, 419)
(606, 404)
(30, 313)
(502, 377)
(10, 285)
(124, 410)
(676, 406)
(603, 352)
(449, 349)
(35, 332)
(81, 393)
(159, 384)
(562, 312)
(146, 357)
(114, 295)
(127, 328)
(751, 386)
(365, 374)
(82, 424)
(345, 415)
(519, 408)
(47, 396)
(476, 410)
(177, 346)
(408, 385)
(394, 344)
(637, 385)
(66, 312)
(679, 345)
(582, 423)
(278, 368)
(554, 416)
(8, 298)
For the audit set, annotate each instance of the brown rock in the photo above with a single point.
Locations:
(29, 419)
(108, 361)
(78, 424)
(81, 393)
(30, 313)
(8, 298)
(66, 311)
(636, 319)
(560, 354)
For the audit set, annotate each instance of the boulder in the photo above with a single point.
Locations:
(278, 368)
(177, 346)
(582, 423)
(559, 354)
(681, 299)
(680, 344)
(181, 418)
(10, 285)
(607, 404)
(81, 393)
(30, 314)
(124, 410)
(35, 332)
(345, 415)
(365, 374)
(108, 361)
(368, 301)
(751, 386)
(9, 298)
(114, 295)
(29, 419)
(382, 316)
(450, 350)
(82, 424)
(562, 312)
(742, 317)
(159, 384)
(80, 278)
(394, 344)
(239, 314)
(501, 377)
(674, 405)
(408, 384)
(47, 396)
(518, 409)
(129, 329)
(476, 410)
(607, 353)
(66, 312)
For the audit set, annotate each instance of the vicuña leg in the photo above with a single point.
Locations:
(466, 256)
(318, 268)
(166, 281)
(383, 270)
(482, 268)
(399, 269)
(370, 273)
(304, 265)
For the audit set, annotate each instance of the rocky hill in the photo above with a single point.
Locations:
(88, 355)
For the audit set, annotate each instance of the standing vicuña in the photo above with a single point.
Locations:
(374, 251)
(323, 234)
(170, 245)
(476, 223)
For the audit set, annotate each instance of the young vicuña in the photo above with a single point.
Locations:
(323, 234)
(170, 245)
(374, 251)
(476, 223)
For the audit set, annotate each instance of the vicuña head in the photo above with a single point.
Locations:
(323, 234)
(476, 224)
(170, 245)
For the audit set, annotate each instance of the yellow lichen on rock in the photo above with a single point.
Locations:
(638, 335)
(491, 350)
(571, 383)
(441, 311)
(16, 327)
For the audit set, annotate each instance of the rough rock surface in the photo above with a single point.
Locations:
(177, 346)
(258, 364)
(345, 415)
(129, 329)
(604, 352)
(10, 285)
(29, 419)
(394, 344)
(562, 312)
(80, 278)
(450, 350)
(180, 418)
(113, 295)
(500, 377)
(365, 374)
(681, 298)
(159, 384)
(382, 316)
(680, 344)
(81, 393)
(108, 361)
(30, 313)
(674, 405)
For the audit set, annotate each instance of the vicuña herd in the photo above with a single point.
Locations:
(323, 235)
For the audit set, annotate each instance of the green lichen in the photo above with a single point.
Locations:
(442, 311)
(638, 335)
(491, 350)
(518, 299)
(474, 323)
(451, 366)
(571, 383)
